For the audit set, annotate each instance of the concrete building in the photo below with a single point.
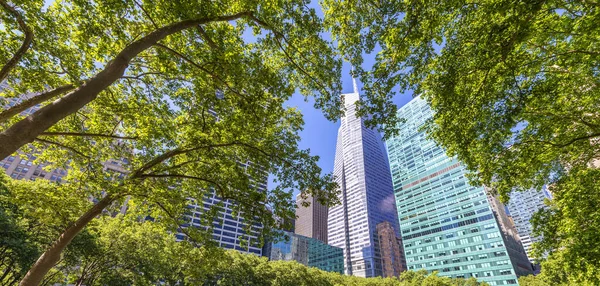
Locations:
(522, 206)
(308, 251)
(390, 250)
(311, 221)
(447, 225)
(362, 172)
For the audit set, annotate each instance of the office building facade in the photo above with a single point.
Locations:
(366, 194)
(522, 206)
(311, 221)
(228, 231)
(447, 225)
(308, 251)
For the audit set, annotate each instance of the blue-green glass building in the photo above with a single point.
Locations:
(446, 224)
(308, 251)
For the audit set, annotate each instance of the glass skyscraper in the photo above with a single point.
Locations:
(447, 225)
(308, 251)
(366, 194)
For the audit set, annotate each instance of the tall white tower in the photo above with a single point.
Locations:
(367, 198)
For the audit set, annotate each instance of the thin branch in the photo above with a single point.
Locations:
(207, 39)
(33, 101)
(188, 60)
(561, 145)
(172, 153)
(62, 146)
(87, 135)
(278, 34)
(177, 166)
(147, 14)
(182, 229)
(26, 42)
(220, 192)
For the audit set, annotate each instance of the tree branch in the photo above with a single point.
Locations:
(182, 229)
(33, 101)
(561, 145)
(280, 35)
(87, 135)
(188, 60)
(28, 129)
(147, 14)
(26, 42)
(172, 153)
(207, 39)
(62, 146)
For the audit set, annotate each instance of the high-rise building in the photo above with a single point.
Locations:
(390, 249)
(511, 238)
(308, 251)
(447, 225)
(227, 230)
(522, 206)
(362, 172)
(311, 221)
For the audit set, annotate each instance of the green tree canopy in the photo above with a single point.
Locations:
(515, 90)
(186, 98)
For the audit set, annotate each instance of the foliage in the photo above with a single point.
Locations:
(185, 98)
(30, 222)
(128, 251)
(131, 250)
(513, 85)
(243, 269)
(515, 90)
(17, 250)
(570, 228)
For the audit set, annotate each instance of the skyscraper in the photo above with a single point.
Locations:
(447, 225)
(311, 221)
(366, 195)
(522, 206)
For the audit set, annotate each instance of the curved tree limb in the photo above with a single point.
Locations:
(87, 135)
(62, 146)
(26, 42)
(33, 101)
(26, 130)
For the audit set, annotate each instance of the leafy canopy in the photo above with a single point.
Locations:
(198, 109)
(516, 94)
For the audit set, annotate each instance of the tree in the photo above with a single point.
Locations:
(513, 86)
(187, 97)
(570, 228)
(144, 41)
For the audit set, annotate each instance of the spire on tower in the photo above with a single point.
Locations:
(354, 85)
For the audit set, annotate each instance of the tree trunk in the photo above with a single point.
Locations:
(52, 255)
(26, 130)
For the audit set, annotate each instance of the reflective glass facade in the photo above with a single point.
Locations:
(310, 252)
(447, 225)
(366, 194)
